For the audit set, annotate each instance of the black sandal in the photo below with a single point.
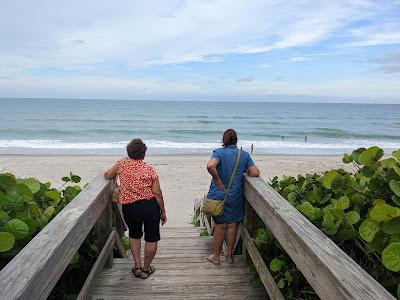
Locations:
(149, 272)
(137, 275)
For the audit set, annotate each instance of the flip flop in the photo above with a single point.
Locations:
(211, 260)
(149, 272)
(134, 271)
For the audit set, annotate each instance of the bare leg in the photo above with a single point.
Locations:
(219, 237)
(150, 250)
(135, 245)
(231, 232)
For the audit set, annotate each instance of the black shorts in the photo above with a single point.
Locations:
(141, 212)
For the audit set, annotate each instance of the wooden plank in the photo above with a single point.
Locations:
(34, 272)
(268, 281)
(98, 266)
(331, 273)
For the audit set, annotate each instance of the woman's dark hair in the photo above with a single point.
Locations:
(229, 138)
(136, 149)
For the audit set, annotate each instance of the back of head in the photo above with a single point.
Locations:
(229, 138)
(136, 149)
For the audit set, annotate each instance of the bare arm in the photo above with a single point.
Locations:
(111, 173)
(212, 169)
(253, 171)
(156, 188)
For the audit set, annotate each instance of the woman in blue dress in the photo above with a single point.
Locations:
(221, 166)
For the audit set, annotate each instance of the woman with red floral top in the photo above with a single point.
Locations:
(142, 204)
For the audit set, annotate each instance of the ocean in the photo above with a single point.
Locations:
(104, 127)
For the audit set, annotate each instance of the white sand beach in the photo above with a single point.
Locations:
(183, 178)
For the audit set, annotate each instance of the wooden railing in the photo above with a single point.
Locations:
(34, 272)
(330, 271)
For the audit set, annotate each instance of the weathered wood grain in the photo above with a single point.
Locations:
(262, 270)
(34, 272)
(98, 266)
(331, 273)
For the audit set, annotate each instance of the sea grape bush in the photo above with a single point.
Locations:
(26, 206)
(359, 211)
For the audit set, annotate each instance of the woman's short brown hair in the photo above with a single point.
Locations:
(136, 149)
(229, 138)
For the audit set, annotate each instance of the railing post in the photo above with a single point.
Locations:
(245, 255)
(103, 230)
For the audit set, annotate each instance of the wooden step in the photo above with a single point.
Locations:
(182, 272)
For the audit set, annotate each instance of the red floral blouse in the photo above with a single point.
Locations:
(136, 180)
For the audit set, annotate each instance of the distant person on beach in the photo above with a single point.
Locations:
(221, 166)
(305, 139)
(282, 138)
(252, 148)
(142, 204)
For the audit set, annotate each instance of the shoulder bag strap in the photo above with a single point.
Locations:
(233, 174)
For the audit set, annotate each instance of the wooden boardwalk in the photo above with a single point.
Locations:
(182, 272)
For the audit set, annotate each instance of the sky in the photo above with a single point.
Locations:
(246, 50)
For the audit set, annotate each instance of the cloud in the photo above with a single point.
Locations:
(138, 34)
(245, 79)
(299, 59)
(389, 63)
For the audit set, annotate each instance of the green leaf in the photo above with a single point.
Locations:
(394, 238)
(395, 187)
(388, 162)
(276, 265)
(32, 183)
(356, 154)
(307, 209)
(368, 229)
(353, 217)
(391, 257)
(342, 203)
(4, 218)
(392, 226)
(49, 212)
(397, 170)
(54, 195)
(7, 241)
(13, 201)
(18, 228)
(125, 242)
(42, 221)
(66, 179)
(347, 158)
(288, 276)
(24, 191)
(281, 283)
(383, 212)
(34, 209)
(7, 182)
(31, 224)
(329, 178)
(370, 156)
(75, 178)
(396, 154)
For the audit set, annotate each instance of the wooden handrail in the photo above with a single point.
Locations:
(34, 272)
(329, 270)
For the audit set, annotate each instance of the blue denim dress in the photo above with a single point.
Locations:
(234, 203)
